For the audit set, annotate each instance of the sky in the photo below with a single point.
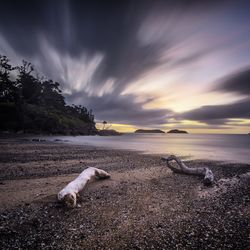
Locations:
(140, 64)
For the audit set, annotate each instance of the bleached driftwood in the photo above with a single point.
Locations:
(69, 194)
(206, 172)
(225, 185)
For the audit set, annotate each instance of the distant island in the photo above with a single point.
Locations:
(108, 132)
(155, 131)
(177, 131)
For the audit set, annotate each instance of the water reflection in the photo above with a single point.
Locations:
(233, 148)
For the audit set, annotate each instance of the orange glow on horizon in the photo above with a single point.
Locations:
(192, 127)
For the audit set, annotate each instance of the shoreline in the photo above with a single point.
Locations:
(143, 205)
(190, 149)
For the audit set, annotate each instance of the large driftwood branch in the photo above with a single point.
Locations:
(206, 172)
(69, 194)
(225, 185)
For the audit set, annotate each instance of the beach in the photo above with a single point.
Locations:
(142, 206)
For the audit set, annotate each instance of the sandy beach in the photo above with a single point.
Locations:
(143, 206)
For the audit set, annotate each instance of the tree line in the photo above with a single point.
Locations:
(34, 104)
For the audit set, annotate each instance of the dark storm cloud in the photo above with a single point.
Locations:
(219, 114)
(90, 27)
(102, 36)
(238, 82)
(109, 28)
(123, 109)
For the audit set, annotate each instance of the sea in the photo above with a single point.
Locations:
(219, 147)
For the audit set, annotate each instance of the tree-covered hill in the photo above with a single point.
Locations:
(35, 105)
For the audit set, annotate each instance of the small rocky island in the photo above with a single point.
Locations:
(155, 131)
(177, 131)
(108, 132)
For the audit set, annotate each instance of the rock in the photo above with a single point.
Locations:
(177, 131)
(153, 131)
(107, 132)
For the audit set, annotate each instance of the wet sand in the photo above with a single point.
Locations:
(143, 206)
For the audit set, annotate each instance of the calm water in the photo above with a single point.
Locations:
(233, 148)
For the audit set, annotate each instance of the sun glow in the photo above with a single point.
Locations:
(123, 128)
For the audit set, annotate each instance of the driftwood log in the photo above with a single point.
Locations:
(225, 185)
(69, 194)
(183, 169)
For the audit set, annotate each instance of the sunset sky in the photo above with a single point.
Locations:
(140, 64)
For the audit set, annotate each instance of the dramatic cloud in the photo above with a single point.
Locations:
(219, 113)
(97, 50)
(239, 83)
(123, 109)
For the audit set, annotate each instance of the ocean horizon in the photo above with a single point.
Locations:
(219, 147)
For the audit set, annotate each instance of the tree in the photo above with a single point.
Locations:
(51, 95)
(104, 124)
(29, 102)
(6, 85)
(30, 88)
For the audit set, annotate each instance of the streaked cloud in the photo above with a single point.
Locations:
(139, 63)
(238, 111)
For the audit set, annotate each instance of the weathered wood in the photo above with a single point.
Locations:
(69, 194)
(225, 185)
(206, 172)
